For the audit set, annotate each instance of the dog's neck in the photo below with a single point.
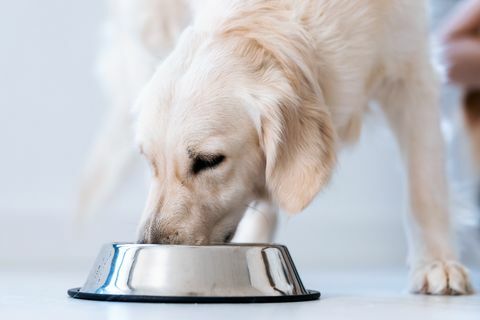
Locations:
(281, 32)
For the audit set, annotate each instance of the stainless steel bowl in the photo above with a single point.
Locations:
(180, 273)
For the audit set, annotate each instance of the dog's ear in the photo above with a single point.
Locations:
(296, 131)
(298, 142)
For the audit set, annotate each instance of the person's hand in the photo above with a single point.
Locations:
(461, 39)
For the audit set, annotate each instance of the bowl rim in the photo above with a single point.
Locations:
(310, 295)
(224, 245)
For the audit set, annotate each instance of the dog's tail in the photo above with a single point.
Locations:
(138, 34)
(108, 162)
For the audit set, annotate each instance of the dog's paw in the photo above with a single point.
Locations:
(440, 278)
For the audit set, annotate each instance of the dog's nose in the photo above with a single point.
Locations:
(162, 238)
(153, 236)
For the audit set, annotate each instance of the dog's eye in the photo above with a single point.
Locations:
(206, 162)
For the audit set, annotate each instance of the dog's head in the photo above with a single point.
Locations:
(224, 121)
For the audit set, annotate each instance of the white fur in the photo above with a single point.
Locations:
(278, 87)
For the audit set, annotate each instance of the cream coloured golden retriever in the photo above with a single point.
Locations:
(245, 103)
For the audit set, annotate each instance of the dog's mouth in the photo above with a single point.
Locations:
(228, 237)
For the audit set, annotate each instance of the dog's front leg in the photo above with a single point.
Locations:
(258, 224)
(411, 107)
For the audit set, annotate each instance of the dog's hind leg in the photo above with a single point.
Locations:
(411, 107)
(139, 34)
(258, 224)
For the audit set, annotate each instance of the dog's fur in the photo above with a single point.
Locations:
(252, 104)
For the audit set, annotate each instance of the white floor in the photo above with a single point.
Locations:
(345, 295)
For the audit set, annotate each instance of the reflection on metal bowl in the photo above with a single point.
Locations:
(181, 273)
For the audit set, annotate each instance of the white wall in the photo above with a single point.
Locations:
(50, 102)
(50, 110)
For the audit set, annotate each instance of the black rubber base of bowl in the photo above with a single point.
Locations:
(75, 293)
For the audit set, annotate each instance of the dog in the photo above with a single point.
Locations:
(243, 105)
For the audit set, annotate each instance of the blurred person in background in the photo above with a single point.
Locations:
(460, 37)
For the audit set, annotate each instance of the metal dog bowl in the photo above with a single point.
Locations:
(201, 274)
